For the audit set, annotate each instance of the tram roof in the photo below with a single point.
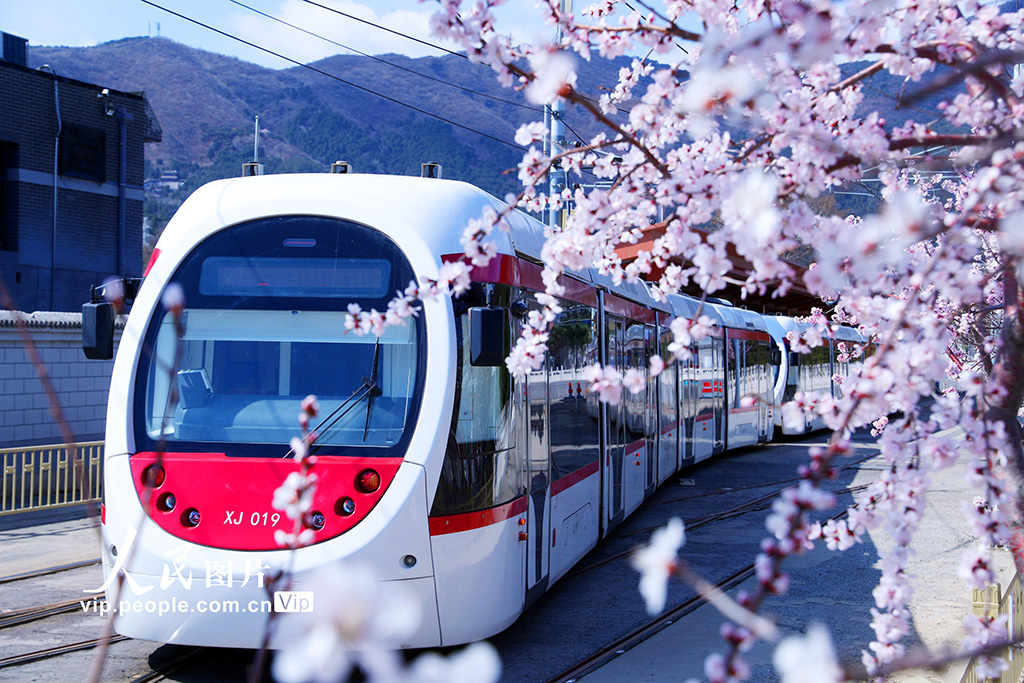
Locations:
(438, 211)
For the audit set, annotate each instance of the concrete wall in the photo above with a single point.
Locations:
(81, 384)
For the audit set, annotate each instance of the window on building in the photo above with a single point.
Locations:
(83, 153)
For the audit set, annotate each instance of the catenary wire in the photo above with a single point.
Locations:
(336, 78)
(384, 61)
(422, 42)
(385, 28)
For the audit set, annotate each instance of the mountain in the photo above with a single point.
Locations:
(350, 108)
(206, 102)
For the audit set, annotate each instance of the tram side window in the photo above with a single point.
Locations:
(815, 371)
(755, 370)
(482, 467)
(636, 359)
(573, 427)
(667, 400)
(734, 354)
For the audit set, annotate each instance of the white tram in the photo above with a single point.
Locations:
(819, 372)
(474, 490)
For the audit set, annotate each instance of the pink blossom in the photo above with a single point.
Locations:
(606, 382)
(355, 620)
(634, 381)
(656, 561)
(808, 659)
(295, 496)
(657, 365)
(173, 299)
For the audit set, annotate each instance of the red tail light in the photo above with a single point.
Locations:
(368, 481)
(153, 476)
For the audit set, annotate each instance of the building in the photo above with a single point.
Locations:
(71, 182)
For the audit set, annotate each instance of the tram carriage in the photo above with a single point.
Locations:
(811, 373)
(437, 469)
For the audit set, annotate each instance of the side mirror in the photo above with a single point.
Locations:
(98, 330)
(776, 358)
(488, 337)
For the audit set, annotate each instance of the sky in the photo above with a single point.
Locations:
(79, 23)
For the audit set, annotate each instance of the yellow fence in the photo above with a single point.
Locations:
(994, 601)
(50, 477)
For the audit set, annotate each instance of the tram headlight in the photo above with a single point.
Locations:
(166, 502)
(345, 506)
(316, 520)
(190, 518)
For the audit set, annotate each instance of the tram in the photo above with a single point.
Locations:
(473, 489)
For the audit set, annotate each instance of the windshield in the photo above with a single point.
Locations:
(264, 326)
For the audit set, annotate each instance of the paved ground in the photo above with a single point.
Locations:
(835, 589)
(587, 609)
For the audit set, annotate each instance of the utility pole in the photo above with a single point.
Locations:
(557, 176)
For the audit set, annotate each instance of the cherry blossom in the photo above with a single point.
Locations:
(173, 299)
(656, 561)
(295, 496)
(728, 146)
(356, 621)
(808, 659)
(634, 381)
(605, 381)
(477, 663)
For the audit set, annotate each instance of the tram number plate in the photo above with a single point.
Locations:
(240, 518)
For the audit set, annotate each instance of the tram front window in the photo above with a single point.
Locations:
(263, 331)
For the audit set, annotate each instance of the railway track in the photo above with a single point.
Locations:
(758, 504)
(47, 571)
(649, 628)
(56, 651)
(29, 614)
(646, 630)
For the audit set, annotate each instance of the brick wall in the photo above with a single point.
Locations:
(81, 386)
(86, 250)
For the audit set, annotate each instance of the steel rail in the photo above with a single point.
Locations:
(56, 651)
(28, 614)
(646, 630)
(48, 570)
(758, 504)
(649, 628)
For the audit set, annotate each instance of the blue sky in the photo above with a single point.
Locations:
(89, 22)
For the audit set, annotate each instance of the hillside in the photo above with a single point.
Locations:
(206, 102)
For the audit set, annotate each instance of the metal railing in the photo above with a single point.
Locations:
(42, 477)
(993, 601)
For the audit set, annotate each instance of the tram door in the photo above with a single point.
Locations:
(615, 426)
(688, 407)
(650, 412)
(718, 372)
(539, 482)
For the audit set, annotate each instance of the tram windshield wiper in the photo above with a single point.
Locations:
(374, 389)
(368, 388)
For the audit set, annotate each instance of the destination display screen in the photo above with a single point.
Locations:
(295, 277)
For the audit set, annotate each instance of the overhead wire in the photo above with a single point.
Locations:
(336, 78)
(385, 28)
(383, 61)
(412, 38)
